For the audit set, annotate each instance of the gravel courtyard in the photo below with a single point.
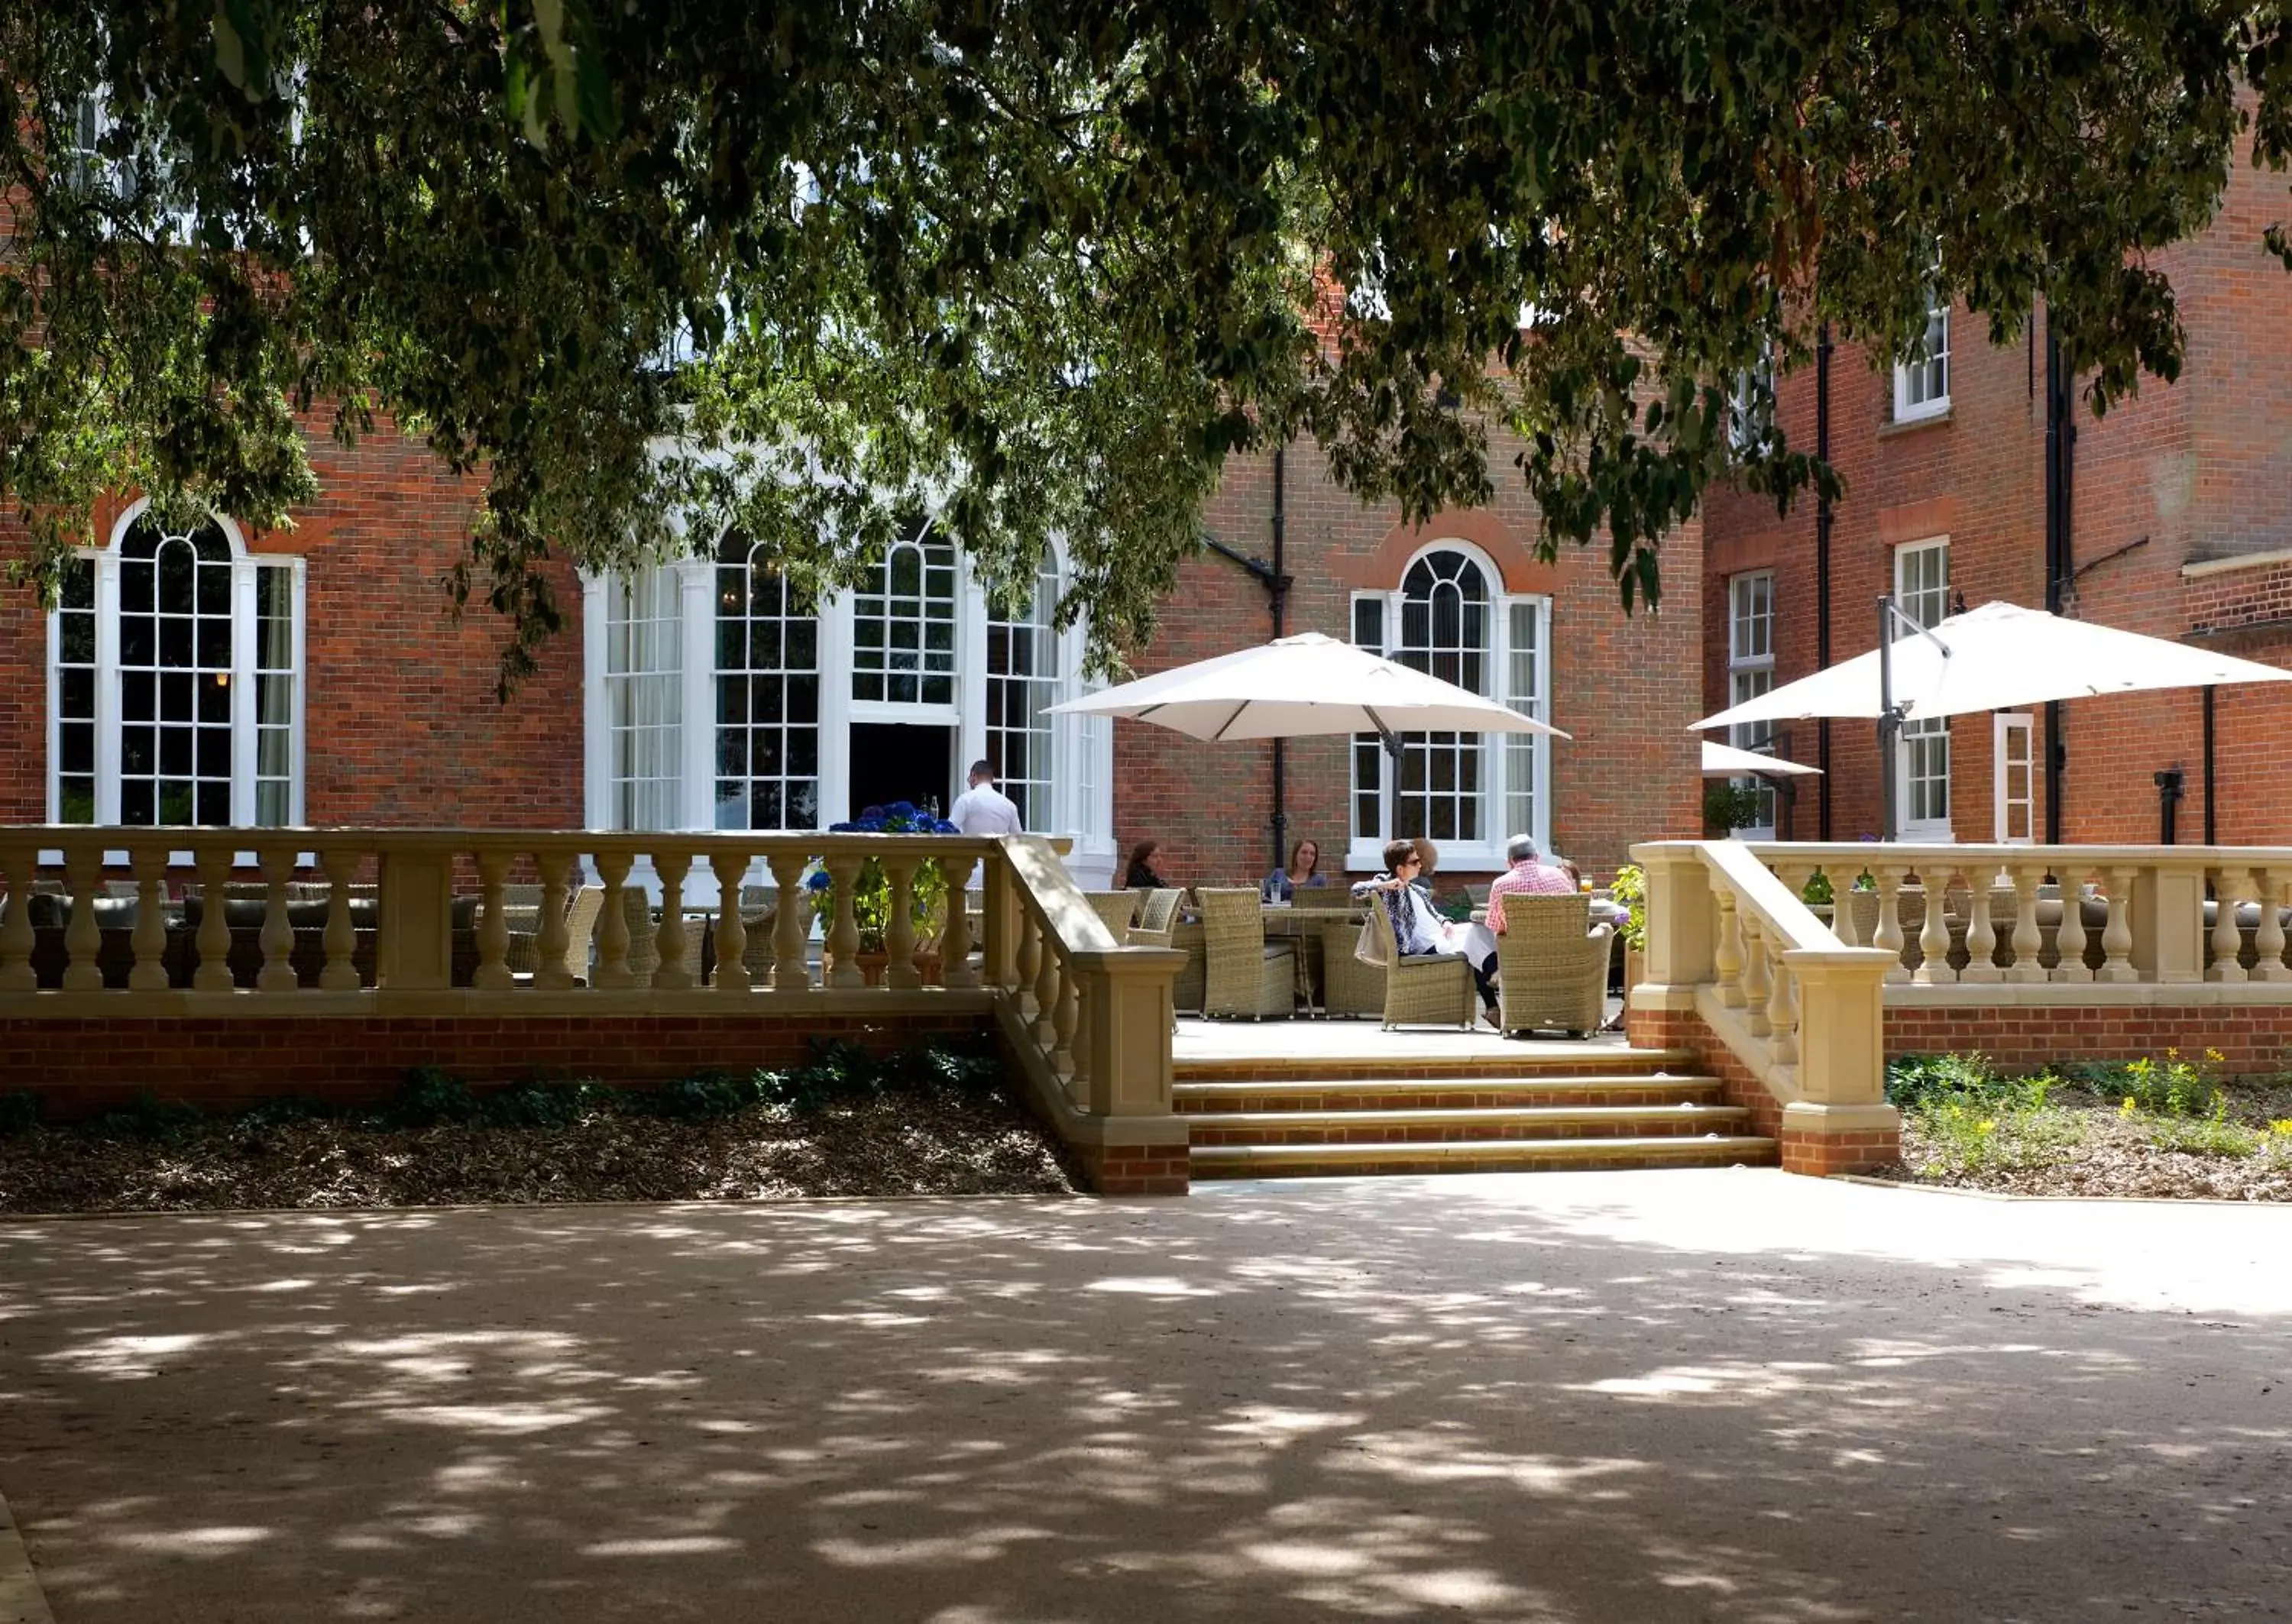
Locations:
(1727, 1395)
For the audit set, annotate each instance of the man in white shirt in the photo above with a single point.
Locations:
(982, 809)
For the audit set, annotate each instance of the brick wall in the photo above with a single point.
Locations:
(1799, 1151)
(2253, 1039)
(402, 722)
(2184, 473)
(1623, 687)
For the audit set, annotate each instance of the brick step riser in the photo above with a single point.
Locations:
(1494, 1163)
(1435, 1133)
(1671, 1095)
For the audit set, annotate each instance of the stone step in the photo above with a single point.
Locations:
(1440, 1093)
(1602, 1060)
(1464, 1124)
(1479, 1156)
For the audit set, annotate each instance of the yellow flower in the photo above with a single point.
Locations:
(2283, 1126)
(2215, 1056)
(1989, 1127)
(2130, 1105)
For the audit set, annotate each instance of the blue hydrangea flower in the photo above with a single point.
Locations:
(944, 827)
(845, 827)
(872, 815)
(819, 881)
(900, 809)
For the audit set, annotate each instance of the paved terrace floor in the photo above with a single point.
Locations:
(1727, 1395)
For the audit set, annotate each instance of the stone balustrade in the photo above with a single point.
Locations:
(453, 946)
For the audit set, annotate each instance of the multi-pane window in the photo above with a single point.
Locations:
(1750, 673)
(903, 626)
(1922, 377)
(1470, 788)
(1022, 677)
(766, 696)
(1922, 593)
(1751, 405)
(2014, 734)
(177, 682)
(644, 700)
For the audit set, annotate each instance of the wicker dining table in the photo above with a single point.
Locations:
(1305, 926)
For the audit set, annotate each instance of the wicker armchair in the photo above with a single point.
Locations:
(1423, 989)
(1553, 965)
(1347, 985)
(1117, 908)
(1157, 916)
(1193, 976)
(1245, 973)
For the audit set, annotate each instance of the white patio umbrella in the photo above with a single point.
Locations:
(1726, 761)
(1994, 658)
(1296, 686)
(1999, 656)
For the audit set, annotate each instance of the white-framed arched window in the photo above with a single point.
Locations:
(1469, 792)
(718, 696)
(175, 680)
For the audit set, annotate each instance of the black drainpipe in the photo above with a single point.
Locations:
(1276, 582)
(2212, 827)
(1278, 590)
(1822, 520)
(2060, 552)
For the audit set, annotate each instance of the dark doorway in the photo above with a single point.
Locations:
(898, 761)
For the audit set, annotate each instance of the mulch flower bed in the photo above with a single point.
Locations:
(708, 1139)
(2167, 1129)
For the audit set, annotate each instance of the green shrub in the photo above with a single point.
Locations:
(2209, 1135)
(278, 1112)
(1969, 1135)
(538, 1104)
(1628, 890)
(19, 1111)
(2174, 1087)
(1817, 891)
(1915, 1081)
(1730, 806)
(163, 1121)
(707, 1096)
(430, 1096)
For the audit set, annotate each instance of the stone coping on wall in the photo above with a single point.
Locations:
(461, 1003)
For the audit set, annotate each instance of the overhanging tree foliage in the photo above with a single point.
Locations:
(1039, 267)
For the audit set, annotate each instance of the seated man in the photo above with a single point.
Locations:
(1420, 932)
(1526, 876)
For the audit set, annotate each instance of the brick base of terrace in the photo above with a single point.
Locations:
(1856, 1150)
(2251, 1036)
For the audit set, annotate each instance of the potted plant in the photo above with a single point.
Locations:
(1819, 897)
(1628, 891)
(871, 892)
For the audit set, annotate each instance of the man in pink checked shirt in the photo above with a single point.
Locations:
(1526, 876)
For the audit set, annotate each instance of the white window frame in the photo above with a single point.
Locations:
(245, 729)
(1751, 404)
(1922, 378)
(1498, 751)
(1082, 806)
(2009, 810)
(1925, 602)
(1750, 673)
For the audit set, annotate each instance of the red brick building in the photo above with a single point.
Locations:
(314, 676)
(2177, 523)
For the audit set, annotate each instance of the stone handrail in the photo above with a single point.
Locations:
(1095, 1016)
(2139, 916)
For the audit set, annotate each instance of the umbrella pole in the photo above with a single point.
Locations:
(1890, 720)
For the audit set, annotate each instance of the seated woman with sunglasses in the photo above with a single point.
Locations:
(1419, 931)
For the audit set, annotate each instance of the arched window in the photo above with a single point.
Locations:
(766, 696)
(1023, 684)
(1466, 790)
(903, 626)
(177, 681)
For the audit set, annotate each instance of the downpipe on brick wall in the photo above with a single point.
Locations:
(1277, 580)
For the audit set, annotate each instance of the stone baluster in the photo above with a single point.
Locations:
(341, 972)
(668, 940)
(1933, 935)
(1048, 973)
(1981, 929)
(2269, 942)
(214, 973)
(1889, 939)
(278, 972)
(1079, 1045)
(553, 938)
(1727, 950)
(150, 865)
(493, 970)
(844, 930)
(954, 968)
(613, 923)
(19, 863)
(82, 936)
(2029, 940)
(1066, 1016)
(1754, 972)
(791, 971)
(2069, 942)
(899, 929)
(731, 868)
(1028, 960)
(2228, 942)
(2117, 935)
(1782, 1006)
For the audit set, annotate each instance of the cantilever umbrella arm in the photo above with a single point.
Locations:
(1391, 739)
(1890, 715)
